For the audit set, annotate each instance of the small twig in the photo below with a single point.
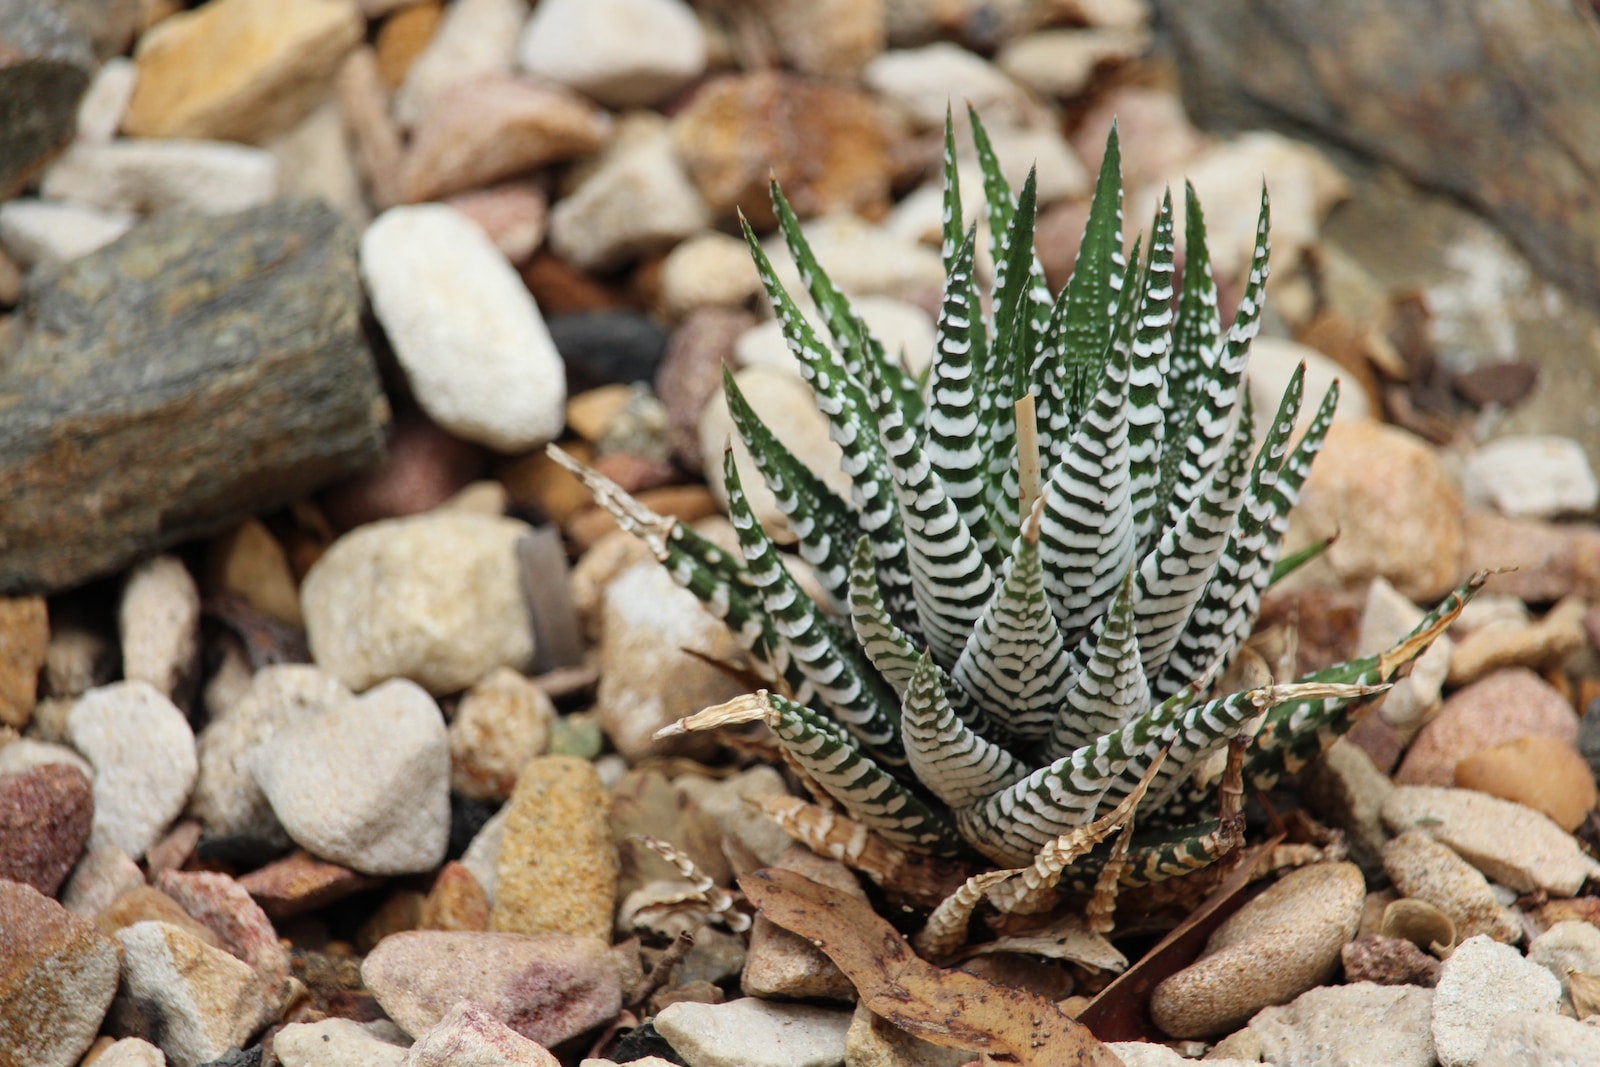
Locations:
(670, 958)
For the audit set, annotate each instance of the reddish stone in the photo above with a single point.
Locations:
(690, 374)
(45, 815)
(456, 902)
(300, 882)
(175, 849)
(425, 467)
(561, 289)
(227, 910)
(1502, 707)
(58, 974)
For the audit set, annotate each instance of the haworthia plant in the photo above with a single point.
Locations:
(1049, 551)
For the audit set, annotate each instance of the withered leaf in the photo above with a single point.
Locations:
(1585, 990)
(953, 1009)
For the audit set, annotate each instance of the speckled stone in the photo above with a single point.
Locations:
(1501, 707)
(195, 1000)
(1361, 1023)
(143, 754)
(334, 1043)
(469, 1036)
(501, 723)
(1483, 982)
(1423, 868)
(1277, 946)
(45, 815)
(101, 876)
(556, 872)
(57, 976)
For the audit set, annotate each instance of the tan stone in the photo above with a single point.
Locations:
(24, 640)
(403, 36)
(239, 70)
(591, 411)
(1538, 645)
(557, 869)
(456, 902)
(503, 722)
(785, 965)
(249, 561)
(1544, 773)
(1502, 707)
(1423, 869)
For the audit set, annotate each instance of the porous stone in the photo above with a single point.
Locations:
(25, 753)
(58, 974)
(732, 803)
(1529, 1039)
(1277, 946)
(456, 902)
(37, 232)
(332, 781)
(1504, 706)
(435, 598)
(1424, 869)
(131, 1052)
(1513, 845)
(578, 43)
(1567, 947)
(158, 621)
(24, 644)
(43, 76)
(1350, 1024)
(831, 39)
(334, 1043)
(547, 988)
(1482, 982)
(194, 1000)
(1388, 961)
(475, 39)
(466, 332)
(556, 870)
(1543, 773)
(1344, 787)
(637, 201)
(501, 723)
(143, 177)
(482, 856)
(1535, 476)
(648, 624)
(224, 907)
(755, 1033)
(146, 903)
(45, 816)
(143, 754)
(471, 1037)
(239, 70)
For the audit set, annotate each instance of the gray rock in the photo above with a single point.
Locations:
(468, 335)
(225, 354)
(1525, 1039)
(226, 797)
(755, 1033)
(193, 1000)
(333, 781)
(42, 77)
(574, 42)
(38, 231)
(58, 973)
(1360, 1025)
(434, 598)
(1482, 982)
(142, 750)
(147, 176)
(158, 621)
(470, 1035)
(334, 1043)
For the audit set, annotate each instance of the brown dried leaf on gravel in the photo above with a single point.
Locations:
(953, 1009)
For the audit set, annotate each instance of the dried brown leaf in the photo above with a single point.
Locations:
(1063, 937)
(1585, 991)
(953, 1009)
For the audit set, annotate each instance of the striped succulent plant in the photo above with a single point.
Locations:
(1054, 543)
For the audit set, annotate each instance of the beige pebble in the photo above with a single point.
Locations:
(557, 867)
(1544, 773)
(1424, 869)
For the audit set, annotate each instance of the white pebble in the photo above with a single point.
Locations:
(37, 231)
(145, 176)
(143, 754)
(624, 53)
(1534, 476)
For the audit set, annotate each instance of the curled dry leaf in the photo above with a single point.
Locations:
(1061, 937)
(953, 1009)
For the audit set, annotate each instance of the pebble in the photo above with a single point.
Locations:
(1424, 869)
(24, 647)
(1528, 1039)
(143, 177)
(470, 339)
(1541, 477)
(493, 127)
(403, 36)
(1544, 773)
(862, 258)
(873, 1041)
(1386, 618)
(239, 70)
(1502, 707)
(476, 38)
(25, 753)
(1482, 982)
(512, 214)
(1060, 63)
(58, 974)
(225, 908)
(905, 330)
(1345, 788)
(315, 159)
(576, 43)
(226, 797)
(469, 1035)
(728, 801)
(608, 347)
(833, 39)
(48, 64)
(636, 202)
(1388, 961)
(131, 1052)
(435, 598)
(193, 1000)
(1349, 1024)
(158, 622)
(143, 754)
(45, 816)
(708, 270)
(424, 468)
(1566, 947)
(923, 82)
(1541, 645)
(1277, 946)
(547, 988)
(42, 232)
(80, 656)
(785, 966)
(1551, 560)
(501, 723)
(826, 145)
(456, 902)
(1273, 360)
(1509, 843)
(342, 808)
(556, 869)
(334, 1043)
(648, 620)
(299, 882)
(755, 1033)
(146, 903)
(249, 561)
(482, 856)
(101, 876)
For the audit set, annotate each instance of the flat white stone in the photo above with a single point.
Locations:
(755, 1033)
(624, 53)
(1531, 475)
(926, 81)
(334, 1043)
(465, 330)
(1360, 1023)
(38, 231)
(638, 200)
(145, 176)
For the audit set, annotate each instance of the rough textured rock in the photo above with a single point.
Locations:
(1349, 1024)
(239, 70)
(755, 1033)
(470, 339)
(556, 870)
(577, 43)
(332, 781)
(1567, 947)
(193, 1000)
(300, 882)
(1277, 946)
(24, 643)
(474, 39)
(1481, 983)
(57, 976)
(334, 1043)
(44, 73)
(144, 762)
(547, 988)
(131, 1052)
(224, 907)
(221, 367)
(471, 1037)
(101, 876)
(831, 39)
(501, 723)
(45, 815)
(784, 965)
(145, 177)
(1527, 475)
(1426, 870)
(1502, 707)
(1528, 1039)
(435, 598)
(158, 621)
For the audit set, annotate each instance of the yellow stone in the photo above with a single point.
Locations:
(239, 70)
(557, 871)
